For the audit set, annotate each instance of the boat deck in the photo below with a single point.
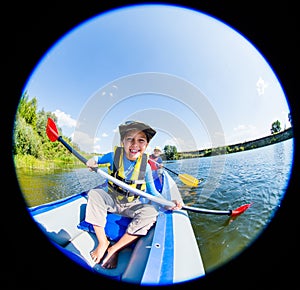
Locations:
(168, 254)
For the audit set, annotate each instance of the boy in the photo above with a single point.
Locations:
(128, 163)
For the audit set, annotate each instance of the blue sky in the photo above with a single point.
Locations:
(197, 81)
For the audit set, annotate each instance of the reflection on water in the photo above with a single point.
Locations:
(39, 187)
(260, 176)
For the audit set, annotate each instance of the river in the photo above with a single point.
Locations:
(259, 176)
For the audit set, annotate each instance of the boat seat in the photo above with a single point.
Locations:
(58, 230)
(82, 245)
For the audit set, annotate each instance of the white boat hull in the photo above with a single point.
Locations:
(168, 254)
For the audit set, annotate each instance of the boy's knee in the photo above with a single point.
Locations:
(150, 210)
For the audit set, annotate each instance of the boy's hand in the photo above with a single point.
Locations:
(91, 163)
(178, 205)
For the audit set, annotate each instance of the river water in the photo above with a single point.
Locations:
(259, 176)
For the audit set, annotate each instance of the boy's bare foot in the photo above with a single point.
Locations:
(99, 252)
(111, 260)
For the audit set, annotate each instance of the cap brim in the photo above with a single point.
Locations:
(123, 129)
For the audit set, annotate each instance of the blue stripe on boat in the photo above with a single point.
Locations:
(160, 266)
(167, 269)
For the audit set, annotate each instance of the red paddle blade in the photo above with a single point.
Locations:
(240, 209)
(51, 130)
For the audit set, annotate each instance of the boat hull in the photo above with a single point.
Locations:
(168, 254)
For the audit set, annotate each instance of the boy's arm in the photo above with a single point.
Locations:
(94, 161)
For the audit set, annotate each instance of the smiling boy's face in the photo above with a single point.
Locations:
(135, 143)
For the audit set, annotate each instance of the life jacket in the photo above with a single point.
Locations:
(153, 165)
(137, 179)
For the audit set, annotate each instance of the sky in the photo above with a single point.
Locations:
(197, 81)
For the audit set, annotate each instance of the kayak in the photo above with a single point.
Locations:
(168, 254)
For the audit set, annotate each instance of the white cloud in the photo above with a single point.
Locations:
(97, 149)
(87, 143)
(104, 135)
(241, 128)
(243, 133)
(64, 120)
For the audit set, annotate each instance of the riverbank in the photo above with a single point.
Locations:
(248, 145)
(29, 162)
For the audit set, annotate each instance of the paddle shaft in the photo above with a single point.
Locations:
(185, 178)
(164, 167)
(170, 170)
(73, 151)
(208, 211)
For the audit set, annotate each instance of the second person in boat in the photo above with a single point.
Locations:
(155, 162)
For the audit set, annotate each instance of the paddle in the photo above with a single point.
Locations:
(53, 135)
(184, 177)
(229, 212)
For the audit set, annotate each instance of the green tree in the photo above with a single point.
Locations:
(276, 127)
(27, 109)
(170, 152)
(42, 119)
(26, 140)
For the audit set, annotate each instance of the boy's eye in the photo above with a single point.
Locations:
(132, 139)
